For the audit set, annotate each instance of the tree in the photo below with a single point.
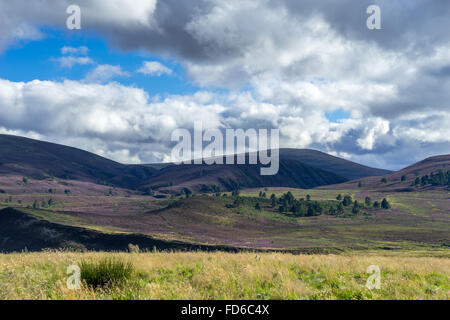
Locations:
(289, 197)
(187, 192)
(340, 208)
(35, 204)
(384, 180)
(274, 201)
(385, 204)
(235, 193)
(347, 201)
(355, 209)
(25, 180)
(339, 197)
(376, 204)
(332, 211)
(368, 201)
(258, 206)
(417, 182)
(359, 184)
(403, 178)
(308, 197)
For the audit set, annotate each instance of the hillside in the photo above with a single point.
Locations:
(347, 169)
(228, 177)
(37, 160)
(20, 231)
(404, 180)
(40, 160)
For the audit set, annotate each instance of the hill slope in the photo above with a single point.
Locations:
(40, 160)
(20, 231)
(228, 177)
(344, 168)
(403, 180)
(298, 168)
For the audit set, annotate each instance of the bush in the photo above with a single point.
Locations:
(106, 272)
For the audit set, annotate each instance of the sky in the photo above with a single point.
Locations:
(137, 70)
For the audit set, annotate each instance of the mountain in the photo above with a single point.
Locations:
(228, 177)
(347, 169)
(40, 160)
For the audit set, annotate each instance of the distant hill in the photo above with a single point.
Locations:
(228, 177)
(324, 161)
(40, 160)
(403, 180)
(298, 168)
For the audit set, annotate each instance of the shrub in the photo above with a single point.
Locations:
(106, 272)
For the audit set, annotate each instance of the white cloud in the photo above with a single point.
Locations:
(105, 72)
(124, 123)
(154, 68)
(69, 62)
(75, 50)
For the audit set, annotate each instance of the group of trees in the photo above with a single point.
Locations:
(347, 201)
(300, 208)
(43, 204)
(440, 178)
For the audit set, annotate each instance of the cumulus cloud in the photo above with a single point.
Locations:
(83, 50)
(69, 62)
(154, 68)
(105, 72)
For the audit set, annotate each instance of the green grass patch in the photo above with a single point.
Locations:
(105, 272)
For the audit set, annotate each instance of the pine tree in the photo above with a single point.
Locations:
(368, 201)
(385, 204)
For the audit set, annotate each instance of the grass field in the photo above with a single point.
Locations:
(199, 275)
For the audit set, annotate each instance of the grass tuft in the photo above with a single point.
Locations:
(105, 272)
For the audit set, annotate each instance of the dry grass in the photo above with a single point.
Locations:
(199, 275)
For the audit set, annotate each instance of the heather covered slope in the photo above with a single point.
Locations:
(40, 160)
(416, 220)
(405, 180)
(206, 178)
(347, 169)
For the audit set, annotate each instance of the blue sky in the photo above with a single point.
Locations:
(35, 60)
